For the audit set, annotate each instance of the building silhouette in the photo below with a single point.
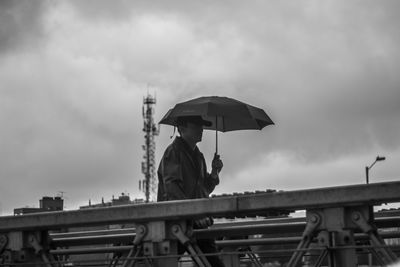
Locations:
(45, 204)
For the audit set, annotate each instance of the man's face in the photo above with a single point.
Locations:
(193, 131)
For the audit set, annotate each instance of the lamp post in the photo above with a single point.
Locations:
(368, 168)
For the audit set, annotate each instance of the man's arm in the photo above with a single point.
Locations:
(212, 179)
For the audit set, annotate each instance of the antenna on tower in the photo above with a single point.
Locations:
(149, 184)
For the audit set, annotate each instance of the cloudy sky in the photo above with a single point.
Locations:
(73, 75)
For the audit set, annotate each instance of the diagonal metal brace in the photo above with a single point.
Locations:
(3, 245)
(383, 251)
(39, 250)
(141, 232)
(192, 248)
(253, 258)
(308, 234)
(3, 242)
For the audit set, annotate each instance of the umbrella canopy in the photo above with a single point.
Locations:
(225, 114)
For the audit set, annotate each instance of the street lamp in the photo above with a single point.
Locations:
(368, 168)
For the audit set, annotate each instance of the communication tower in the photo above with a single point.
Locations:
(149, 184)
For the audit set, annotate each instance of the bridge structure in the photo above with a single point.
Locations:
(340, 228)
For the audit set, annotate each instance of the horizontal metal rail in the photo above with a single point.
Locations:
(93, 240)
(121, 231)
(267, 227)
(221, 243)
(371, 194)
(288, 226)
(73, 238)
(91, 250)
(288, 240)
(93, 237)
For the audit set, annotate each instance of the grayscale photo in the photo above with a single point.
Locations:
(199, 133)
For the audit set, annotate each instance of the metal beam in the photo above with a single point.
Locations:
(251, 229)
(341, 196)
(93, 240)
(220, 243)
(370, 194)
(121, 231)
(269, 228)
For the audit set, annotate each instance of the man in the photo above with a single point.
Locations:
(182, 174)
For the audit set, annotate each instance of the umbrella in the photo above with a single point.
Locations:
(225, 114)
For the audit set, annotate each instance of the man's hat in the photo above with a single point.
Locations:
(198, 120)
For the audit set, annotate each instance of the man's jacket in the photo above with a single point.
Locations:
(182, 173)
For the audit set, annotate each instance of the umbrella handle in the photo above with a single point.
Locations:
(216, 138)
(216, 135)
(216, 142)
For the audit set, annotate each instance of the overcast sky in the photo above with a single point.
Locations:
(73, 75)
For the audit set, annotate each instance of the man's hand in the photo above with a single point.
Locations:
(203, 223)
(216, 164)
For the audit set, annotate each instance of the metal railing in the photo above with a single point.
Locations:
(35, 239)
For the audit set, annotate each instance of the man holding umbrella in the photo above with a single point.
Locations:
(182, 174)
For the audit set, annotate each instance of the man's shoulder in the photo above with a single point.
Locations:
(173, 148)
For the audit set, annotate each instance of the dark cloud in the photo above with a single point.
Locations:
(123, 9)
(21, 24)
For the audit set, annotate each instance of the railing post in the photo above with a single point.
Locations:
(27, 249)
(158, 243)
(335, 234)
